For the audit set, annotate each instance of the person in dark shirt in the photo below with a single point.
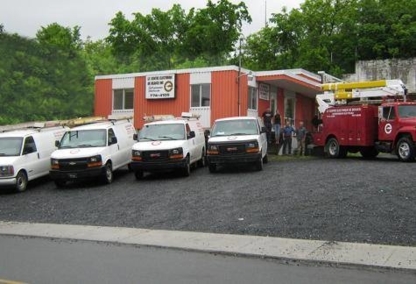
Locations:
(288, 131)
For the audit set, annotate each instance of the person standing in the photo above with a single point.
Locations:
(287, 131)
(267, 120)
(300, 137)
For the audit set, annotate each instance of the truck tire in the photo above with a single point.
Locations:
(259, 164)
(212, 168)
(265, 159)
(108, 174)
(21, 181)
(405, 149)
(202, 162)
(333, 149)
(186, 171)
(368, 152)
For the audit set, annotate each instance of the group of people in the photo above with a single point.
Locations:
(283, 135)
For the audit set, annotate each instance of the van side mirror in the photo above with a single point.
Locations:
(263, 129)
(57, 143)
(112, 140)
(135, 136)
(191, 134)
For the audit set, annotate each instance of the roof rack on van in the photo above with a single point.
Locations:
(158, 117)
(36, 125)
(82, 120)
(115, 118)
(190, 115)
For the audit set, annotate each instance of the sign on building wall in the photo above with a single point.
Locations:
(264, 91)
(160, 86)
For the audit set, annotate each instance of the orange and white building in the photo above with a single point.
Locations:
(212, 92)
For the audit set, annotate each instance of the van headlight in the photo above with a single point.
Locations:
(136, 155)
(6, 171)
(54, 164)
(252, 147)
(94, 161)
(212, 150)
(176, 153)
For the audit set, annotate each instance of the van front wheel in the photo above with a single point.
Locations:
(186, 171)
(21, 181)
(108, 173)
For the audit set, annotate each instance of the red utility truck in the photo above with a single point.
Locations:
(366, 117)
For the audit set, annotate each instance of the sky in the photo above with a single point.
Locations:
(26, 17)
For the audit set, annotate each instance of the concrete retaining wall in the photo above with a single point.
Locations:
(404, 69)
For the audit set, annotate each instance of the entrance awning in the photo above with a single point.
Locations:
(296, 80)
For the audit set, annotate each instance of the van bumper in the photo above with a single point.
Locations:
(157, 166)
(74, 175)
(234, 159)
(7, 182)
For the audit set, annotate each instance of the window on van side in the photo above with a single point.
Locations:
(29, 146)
(111, 135)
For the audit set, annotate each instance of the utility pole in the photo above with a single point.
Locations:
(238, 78)
(265, 13)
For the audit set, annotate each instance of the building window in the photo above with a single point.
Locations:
(123, 99)
(290, 110)
(200, 95)
(252, 98)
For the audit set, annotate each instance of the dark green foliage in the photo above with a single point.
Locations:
(44, 78)
(331, 35)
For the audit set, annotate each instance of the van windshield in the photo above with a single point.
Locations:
(235, 127)
(10, 146)
(407, 111)
(84, 138)
(170, 131)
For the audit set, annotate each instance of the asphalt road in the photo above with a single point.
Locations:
(350, 200)
(33, 260)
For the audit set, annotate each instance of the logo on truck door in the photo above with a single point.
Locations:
(388, 128)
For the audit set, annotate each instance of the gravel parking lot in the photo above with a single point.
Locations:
(350, 200)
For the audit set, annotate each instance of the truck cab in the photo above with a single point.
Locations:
(167, 144)
(396, 129)
(235, 140)
(25, 153)
(92, 150)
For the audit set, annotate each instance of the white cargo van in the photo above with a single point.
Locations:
(176, 143)
(92, 150)
(236, 140)
(25, 153)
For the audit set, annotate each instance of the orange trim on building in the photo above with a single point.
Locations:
(224, 94)
(103, 97)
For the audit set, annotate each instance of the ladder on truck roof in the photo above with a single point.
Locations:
(342, 93)
(40, 125)
(33, 125)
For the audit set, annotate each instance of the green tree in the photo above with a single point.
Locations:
(68, 81)
(163, 40)
(332, 35)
